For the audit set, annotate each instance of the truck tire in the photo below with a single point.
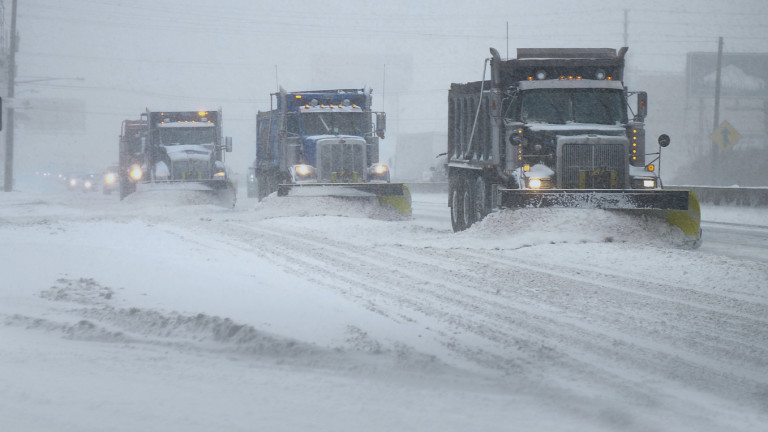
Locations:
(261, 186)
(456, 190)
(479, 194)
(468, 202)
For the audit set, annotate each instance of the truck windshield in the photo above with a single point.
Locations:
(560, 106)
(337, 123)
(180, 135)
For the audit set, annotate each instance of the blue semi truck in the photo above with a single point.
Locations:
(323, 143)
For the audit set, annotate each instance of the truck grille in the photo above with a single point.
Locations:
(341, 161)
(593, 166)
(190, 170)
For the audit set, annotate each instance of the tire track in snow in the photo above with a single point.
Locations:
(593, 346)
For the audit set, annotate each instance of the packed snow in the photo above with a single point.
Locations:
(161, 312)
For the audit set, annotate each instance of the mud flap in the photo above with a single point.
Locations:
(401, 203)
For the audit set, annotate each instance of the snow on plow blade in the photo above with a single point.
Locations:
(395, 195)
(217, 192)
(679, 208)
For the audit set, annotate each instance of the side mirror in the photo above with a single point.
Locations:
(228, 144)
(642, 104)
(381, 124)
(663, 140)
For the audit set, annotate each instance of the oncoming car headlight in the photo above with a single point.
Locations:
(110, 178)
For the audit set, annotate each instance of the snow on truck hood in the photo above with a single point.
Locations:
(591, 127)
(189, 151)
(316, 138)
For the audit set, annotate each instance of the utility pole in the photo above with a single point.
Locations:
(8, 179)
(716, 121)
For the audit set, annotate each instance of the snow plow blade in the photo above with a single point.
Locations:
(679, 208)
(395, 195)
(216, 192)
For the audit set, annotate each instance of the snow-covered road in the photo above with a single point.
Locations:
(155, 315)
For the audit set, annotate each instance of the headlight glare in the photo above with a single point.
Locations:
(136, 173)
(303, 170)
(303, 173)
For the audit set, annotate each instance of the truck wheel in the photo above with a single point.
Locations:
(457, 205)
(479, 199)
(259, 187)
(468, 203)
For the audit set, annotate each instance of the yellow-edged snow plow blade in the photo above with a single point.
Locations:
(679, 208)
(400, 202)
(394, 195)
(689, 220)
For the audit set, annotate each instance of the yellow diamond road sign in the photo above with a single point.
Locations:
(725, 136)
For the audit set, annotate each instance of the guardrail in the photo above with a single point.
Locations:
(729, 196)
(726, 196)
(428, 187)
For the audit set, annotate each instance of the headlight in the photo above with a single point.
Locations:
(110, 178)
(380, 169)
(378, 173)
(87, 184)
(644, 183)
(303, 170)
(136, 173)
(220, 175)
(539, 183)
(303, 173)
(73, 182)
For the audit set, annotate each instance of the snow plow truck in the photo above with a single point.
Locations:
(175, 151)
(554, 127)
(323, 143)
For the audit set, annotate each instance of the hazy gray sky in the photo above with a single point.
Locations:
(207, 54)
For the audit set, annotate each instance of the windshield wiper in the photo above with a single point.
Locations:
(327, 129)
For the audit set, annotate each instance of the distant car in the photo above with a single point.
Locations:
(82, 182)
(110, 180)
